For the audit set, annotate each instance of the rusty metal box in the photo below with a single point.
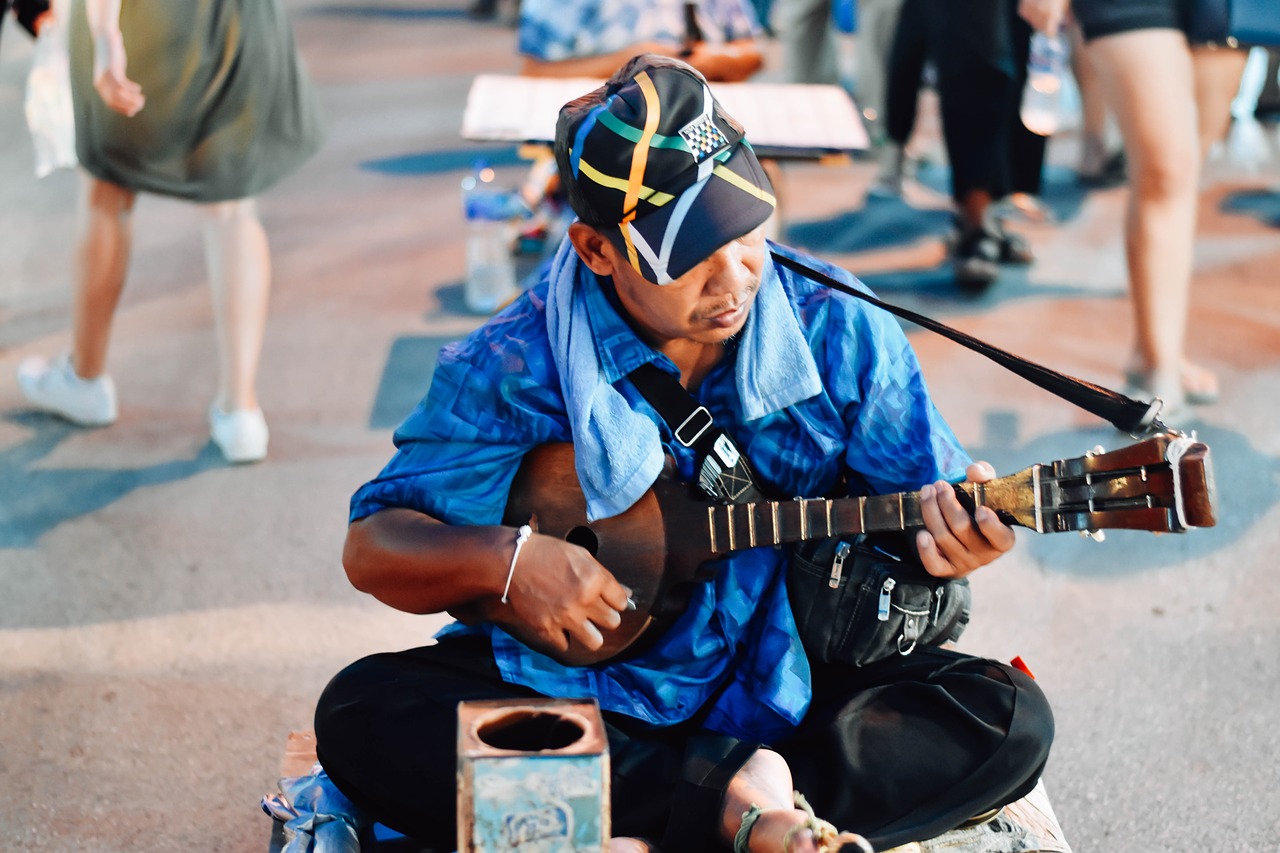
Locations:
(533, 777)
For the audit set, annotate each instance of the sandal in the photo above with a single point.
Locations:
(827, 838)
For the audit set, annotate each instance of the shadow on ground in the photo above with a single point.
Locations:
(888, 222)
(38, 499)
(1243, 475)
(1263, 205)
(399, 13)
(461, 160)
(411, 362)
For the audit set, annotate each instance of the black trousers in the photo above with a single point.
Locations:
(979, 50)
(901, 750)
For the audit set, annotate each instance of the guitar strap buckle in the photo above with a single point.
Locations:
(698, 422)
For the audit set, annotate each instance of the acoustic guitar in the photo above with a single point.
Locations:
(660, 546)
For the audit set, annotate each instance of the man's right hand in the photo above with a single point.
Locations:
(559, 593)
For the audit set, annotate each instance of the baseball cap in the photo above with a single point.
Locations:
(654, 162)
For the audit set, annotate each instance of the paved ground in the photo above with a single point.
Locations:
(166, 620)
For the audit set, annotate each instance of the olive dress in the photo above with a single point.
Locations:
(229, 109)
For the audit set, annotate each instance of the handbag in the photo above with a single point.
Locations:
(856, 601)
(1234, 23)
(47, 106)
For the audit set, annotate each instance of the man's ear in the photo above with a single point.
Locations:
(593, 248)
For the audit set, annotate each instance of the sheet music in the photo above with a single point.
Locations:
(512, 108)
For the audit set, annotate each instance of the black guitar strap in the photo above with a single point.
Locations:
(723, 471)
(1136, 417)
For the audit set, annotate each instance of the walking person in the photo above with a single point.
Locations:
(1172, 102)
(202, 100)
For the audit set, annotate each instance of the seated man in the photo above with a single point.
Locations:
(591, 38)
(714, 723)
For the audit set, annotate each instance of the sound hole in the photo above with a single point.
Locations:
(584, 537)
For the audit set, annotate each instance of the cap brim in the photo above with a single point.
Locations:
(665, 244)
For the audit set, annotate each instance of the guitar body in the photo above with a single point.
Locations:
(643, 547)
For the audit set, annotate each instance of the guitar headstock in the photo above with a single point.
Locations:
(1163, 484)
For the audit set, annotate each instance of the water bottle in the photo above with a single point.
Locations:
(1042, 96)
(491, 269)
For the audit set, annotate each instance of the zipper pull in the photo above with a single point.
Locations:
(837, 567)
(886, 595)
(937, 604)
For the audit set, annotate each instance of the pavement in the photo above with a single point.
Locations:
(166, 619)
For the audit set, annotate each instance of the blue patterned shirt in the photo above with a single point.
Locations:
(497, 394)
(552, 30)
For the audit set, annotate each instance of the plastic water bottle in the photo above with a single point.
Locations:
(1042, 96)
(491, 269)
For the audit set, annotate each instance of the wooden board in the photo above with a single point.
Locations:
(781, 119)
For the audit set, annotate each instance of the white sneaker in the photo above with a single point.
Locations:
(53, 386)
(240, 435)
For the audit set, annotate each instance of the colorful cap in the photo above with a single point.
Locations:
(654, 162)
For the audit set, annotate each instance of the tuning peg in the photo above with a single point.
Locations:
(1098, 450)
(1095, 535)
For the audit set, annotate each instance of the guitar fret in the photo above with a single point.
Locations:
(733, 544)
(862, 514)
(773, 512)
(751, 524)
(828, 507)
(1037, 498)
(711, 528)
(804, 518)
(902, 517)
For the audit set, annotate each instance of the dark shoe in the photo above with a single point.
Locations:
(975, 259)
(1113, 173)
(1267, 113)
(1014, 249)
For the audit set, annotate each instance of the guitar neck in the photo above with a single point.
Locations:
(748, 525)
(1162, 484)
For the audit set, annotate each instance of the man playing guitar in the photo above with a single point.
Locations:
(714, 724)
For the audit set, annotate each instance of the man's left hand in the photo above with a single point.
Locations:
(955, 543)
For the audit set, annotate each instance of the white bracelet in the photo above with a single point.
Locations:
(522, 536)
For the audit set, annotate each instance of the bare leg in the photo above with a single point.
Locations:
(1217, 76)
(102, 259)
(877, 22)
(239, 264)
(973, 208)
(809, 45)
(1093, 107)
(1158, 123)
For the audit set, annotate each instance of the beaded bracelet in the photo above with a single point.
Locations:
(522, 536)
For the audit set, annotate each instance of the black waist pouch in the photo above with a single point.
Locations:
(856, 601)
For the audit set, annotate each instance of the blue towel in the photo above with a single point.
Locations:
(618, 450)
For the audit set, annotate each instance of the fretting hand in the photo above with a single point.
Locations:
(955, 543)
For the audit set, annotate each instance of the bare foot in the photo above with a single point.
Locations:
(1196, 384)
(796, 831)
(1199, 384)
